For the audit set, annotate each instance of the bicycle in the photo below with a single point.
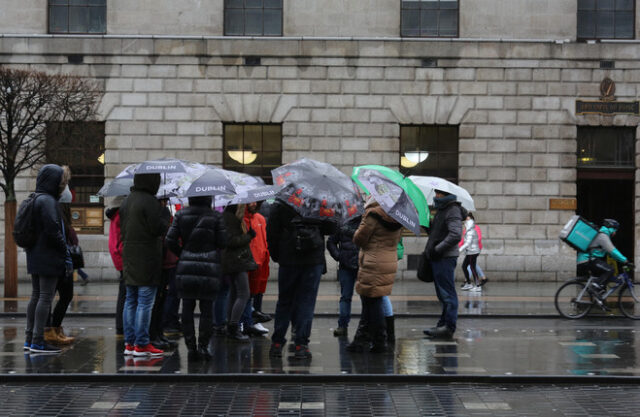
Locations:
(575, 298)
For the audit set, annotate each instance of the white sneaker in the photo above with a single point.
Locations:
(466, 287)
(475, 288)
(260, 328)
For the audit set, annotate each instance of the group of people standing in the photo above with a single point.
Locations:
(220, 261)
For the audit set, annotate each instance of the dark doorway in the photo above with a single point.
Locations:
(606, 180)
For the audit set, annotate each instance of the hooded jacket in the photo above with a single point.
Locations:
(143, 223)
(471, 244)
(49, 254)
(197, 235)
(600, 246)
(259, 248)
(377, 236)
(341, 247)
(115, 238)
(237, 256)
(446, 229)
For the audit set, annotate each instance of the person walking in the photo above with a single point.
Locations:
(253, 317)
(237, 260)
(297, 244)
(442, 251)
(377, 237)
(115, 250)
(48, 260)
(54, 333)
(197, 236)
(144, 222)
(342, 249)
(471, 249)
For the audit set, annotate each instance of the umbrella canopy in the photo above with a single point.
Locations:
(428, 185)
(211, 182)
(317, 190)
(412, 191)
(393, 199)
(161, 166)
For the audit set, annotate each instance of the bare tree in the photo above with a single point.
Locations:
(31, 103)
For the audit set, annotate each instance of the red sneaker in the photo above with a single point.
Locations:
(148, 350)
(128, 349)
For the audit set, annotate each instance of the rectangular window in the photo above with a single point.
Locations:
(606, 19)
(254, 149)
(606, 147)
(429, 150)
(429, 18)
(77, 16)
(253, 17)
(80, 145)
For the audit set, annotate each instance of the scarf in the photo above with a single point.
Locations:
(443, 201)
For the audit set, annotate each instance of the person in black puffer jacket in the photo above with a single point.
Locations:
(345, 252)
(237, 260)
(197, 236)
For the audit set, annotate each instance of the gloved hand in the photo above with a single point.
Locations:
(433, 254)
(68, 270)
(630, 266)
(251, 233)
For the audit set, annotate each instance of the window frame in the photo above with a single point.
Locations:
(420, 27)
(244, 29)
(50, 6)
(238, 168)
(596, 37)
(436, 153)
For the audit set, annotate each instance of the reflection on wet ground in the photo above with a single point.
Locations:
(258, 399)
(482, 346)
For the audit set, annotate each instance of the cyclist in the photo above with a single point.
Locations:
(593, 261)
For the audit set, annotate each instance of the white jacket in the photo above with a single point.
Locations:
(471, 245)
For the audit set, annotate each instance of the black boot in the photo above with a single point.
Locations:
(203, 344)
(361, 340)
(234, 333)
(391, 329)
(379, 338)
(192, 349)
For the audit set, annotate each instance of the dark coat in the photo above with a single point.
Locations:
(341, 247)
(196, 236)
(377, 236)
(143, 223)
(47, 257)
(281, 236)
(445, 232)
(237, 256)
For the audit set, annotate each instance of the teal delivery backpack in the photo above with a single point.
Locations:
(578, 233)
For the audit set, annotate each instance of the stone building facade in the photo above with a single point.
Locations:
(341, 82)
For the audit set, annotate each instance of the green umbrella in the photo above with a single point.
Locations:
(412, 190)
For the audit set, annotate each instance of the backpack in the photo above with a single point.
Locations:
(24, 229)
(306, 237)
(578, 233)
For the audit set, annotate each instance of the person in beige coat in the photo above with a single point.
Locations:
(377, 236)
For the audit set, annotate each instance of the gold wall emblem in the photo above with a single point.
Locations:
(607, 89)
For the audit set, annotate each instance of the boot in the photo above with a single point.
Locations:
(361, 340)
(203, 345)
(62, 338)
(234, 333)
(379, 339)
(50, 335)
(391, 329)
(192, 349)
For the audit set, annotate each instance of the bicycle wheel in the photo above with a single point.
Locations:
(567, 303)
(629, 301)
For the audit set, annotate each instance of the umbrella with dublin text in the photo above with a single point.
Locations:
(211, 182)
(393, 199)
(317, 190)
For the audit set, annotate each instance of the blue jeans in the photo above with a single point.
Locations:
(221, 304)
(137, 313)
(347, 278)
(387, 308)
(297, 292)
(443, 278)
(247, 319)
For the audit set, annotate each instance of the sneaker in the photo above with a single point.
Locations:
(276, 350)
(147, 350)
(128, 349)
(84, 281)
(476, 288)
(442, 332)
(259, 327)
(44, 348)
(466, 287)
(302, 352)
(260, 317)
(27, 346)
(340, 331)
(483, 281)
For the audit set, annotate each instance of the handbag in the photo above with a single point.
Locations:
(425, 271)
(76, 256)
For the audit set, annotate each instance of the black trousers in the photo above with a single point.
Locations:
(205, 327)
(65, 292)
(122, 296)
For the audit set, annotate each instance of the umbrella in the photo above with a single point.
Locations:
(161, 166)
(317, 190)
(393, 199)
(413, 192)
(211, 182)
(428, 185)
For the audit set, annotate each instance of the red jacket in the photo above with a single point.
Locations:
(259, 249)
(115, 240)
